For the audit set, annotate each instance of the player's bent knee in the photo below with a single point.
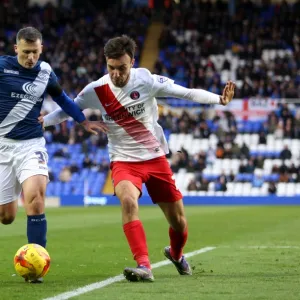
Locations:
(6, 220)
(36, 205)
(129, 205)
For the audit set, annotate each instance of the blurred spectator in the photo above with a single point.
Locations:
(87, 163)
(74, 168)
(293, 169)
(220, 150)
(220, 184)
(243, 167)
(230, 177)
(259, 162)
(245, 152)
(65, 174)
(286, 153)
(262, 138)
(272, 188)
(203, 185)
(257, 181)
(275, 169)
(279, 131)
(210, 156)
(62, 152)
(235, 151)
(250, 167)
(193, 185)
(272, 122)
(284, 177)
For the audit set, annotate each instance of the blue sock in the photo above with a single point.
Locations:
(37, 229)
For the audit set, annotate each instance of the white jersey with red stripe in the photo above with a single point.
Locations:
(131, 112)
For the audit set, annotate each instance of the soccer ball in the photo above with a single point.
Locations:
(32, 261)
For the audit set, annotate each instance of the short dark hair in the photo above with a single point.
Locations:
(29, 34)
(118, 46)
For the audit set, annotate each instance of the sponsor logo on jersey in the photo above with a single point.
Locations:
(26, 96)
(29, 88)
(162, 79)
(126, 112)
(11, 72)
(135, 95)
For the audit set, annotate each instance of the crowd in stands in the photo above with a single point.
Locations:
(73, 38)
(282, 124)
(73, 42)
(202, 46)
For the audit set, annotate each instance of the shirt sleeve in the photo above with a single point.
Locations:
(158, 84)
(59, 115)
(165, 87)
(53, 88)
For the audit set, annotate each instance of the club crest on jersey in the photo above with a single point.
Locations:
(135, 95)
(44, 75)
(162, 79)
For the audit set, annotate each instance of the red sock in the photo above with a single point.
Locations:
(177, 242)
(136, 238)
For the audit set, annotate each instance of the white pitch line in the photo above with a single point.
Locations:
(111, 280)
(261, 247)
(269, 247)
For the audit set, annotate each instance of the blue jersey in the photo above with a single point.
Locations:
(21, 96)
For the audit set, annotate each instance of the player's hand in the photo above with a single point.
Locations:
(41, 121)
(94, 126)
(228, 93)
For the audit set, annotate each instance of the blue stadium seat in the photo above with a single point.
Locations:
(244, 177)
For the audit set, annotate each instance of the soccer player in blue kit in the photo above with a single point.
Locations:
(24, 80)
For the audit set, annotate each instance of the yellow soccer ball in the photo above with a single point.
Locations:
(32, 261)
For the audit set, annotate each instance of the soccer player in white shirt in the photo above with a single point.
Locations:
(138, 148)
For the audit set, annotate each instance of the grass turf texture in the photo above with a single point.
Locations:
(87, 245)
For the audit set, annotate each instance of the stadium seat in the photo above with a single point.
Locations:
(281, 189)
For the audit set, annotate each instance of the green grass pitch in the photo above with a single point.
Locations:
(257, 254)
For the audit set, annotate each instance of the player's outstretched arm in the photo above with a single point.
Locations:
(94, 126)
(197, 95)
(54, 118)
(59, 116)
(70, 108)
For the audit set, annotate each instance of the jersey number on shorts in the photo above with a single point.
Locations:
(41, 157)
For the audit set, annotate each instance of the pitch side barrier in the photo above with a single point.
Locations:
(103, 200)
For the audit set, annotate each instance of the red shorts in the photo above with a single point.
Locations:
(155, 173)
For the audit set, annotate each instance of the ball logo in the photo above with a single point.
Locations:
(29, 88)
(135, 95)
